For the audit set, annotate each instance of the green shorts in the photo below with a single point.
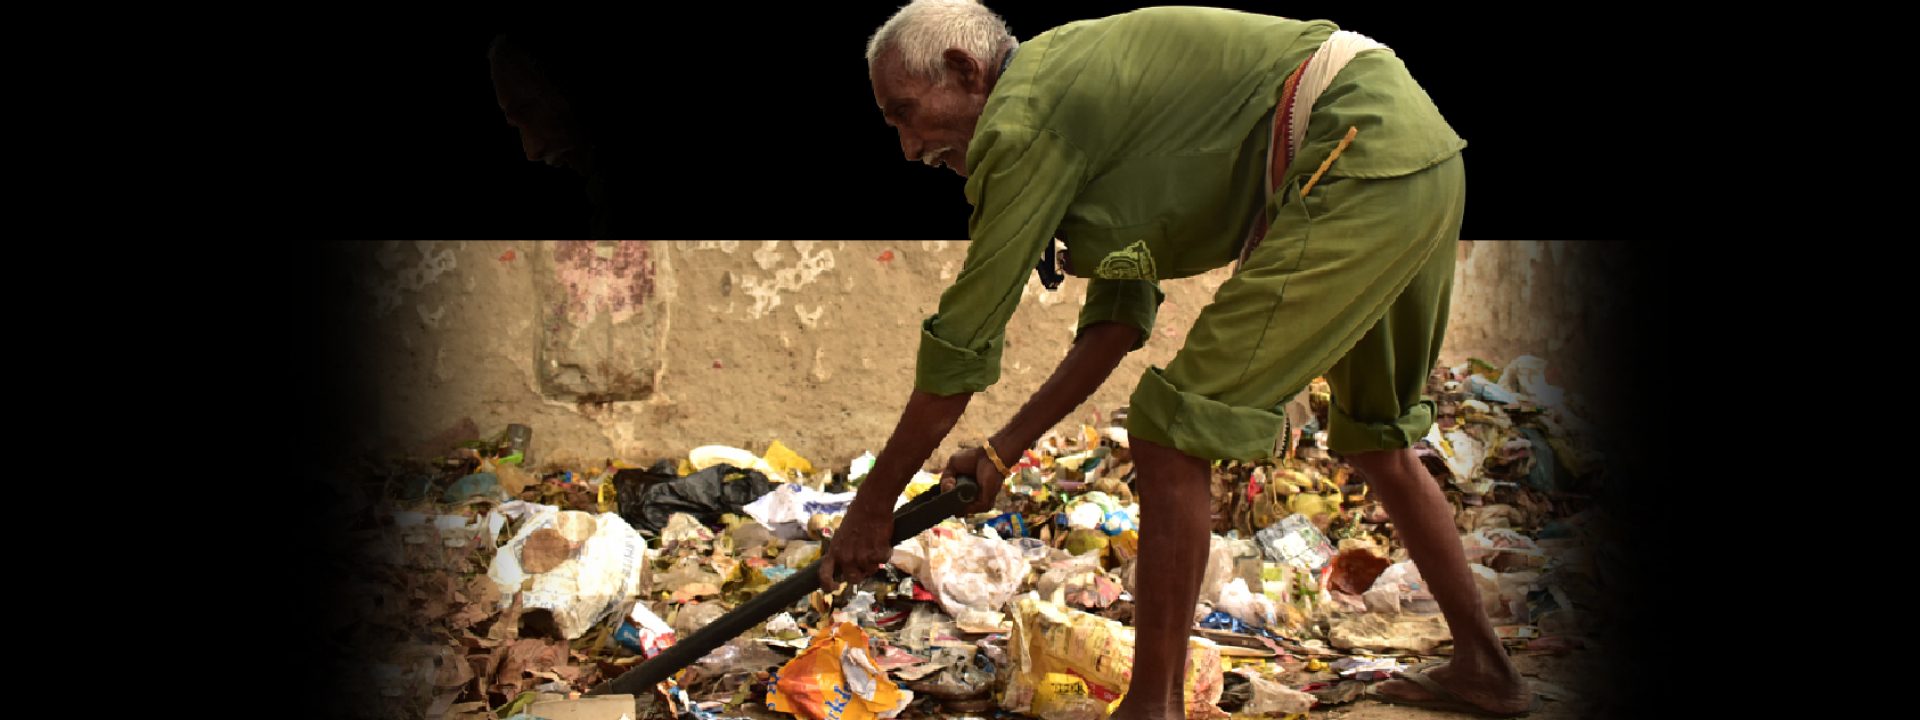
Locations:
(1353, 284)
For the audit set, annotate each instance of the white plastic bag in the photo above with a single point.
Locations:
(786, 510)
(961, 569)
(601, 577)
(1528, 374)
(1238, 600)
(1401, 589)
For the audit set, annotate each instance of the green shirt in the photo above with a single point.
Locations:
(1140, 141)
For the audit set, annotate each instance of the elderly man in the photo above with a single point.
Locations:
(1161, 144)
(548, 90)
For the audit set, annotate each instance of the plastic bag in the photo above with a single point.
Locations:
(784, 627)
(1242, 603)
(1401, 589)
(1048, 639)
(861, 466)
(1224, 558)
(1059, 571)
(1035, 550)
(1061, 696)
(1296, 541)
(1090, 510)
(582, 590)
(1528, 374)
(784, 462)
(484, 484)
(707, 456)
(963, 570)
(786, 510)
(1503, 550)
(696, 615)
(1078, 581)
(835, 678)
(647, 499)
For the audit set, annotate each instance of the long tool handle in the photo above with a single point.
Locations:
(920, 513)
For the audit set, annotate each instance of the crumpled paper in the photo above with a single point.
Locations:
(582, 590)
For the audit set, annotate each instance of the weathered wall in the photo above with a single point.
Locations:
(644, 350)
(1554, 300)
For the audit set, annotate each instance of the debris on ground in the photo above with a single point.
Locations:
(509, 590)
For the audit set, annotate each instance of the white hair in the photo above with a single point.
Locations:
(925, 29)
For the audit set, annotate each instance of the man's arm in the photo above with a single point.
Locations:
(1094, 355)
(1020, 188)
(923, 424)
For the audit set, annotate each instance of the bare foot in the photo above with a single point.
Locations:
(1503, 694)
(1130, 710)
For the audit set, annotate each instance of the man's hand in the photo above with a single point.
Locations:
(974, 462)
(862, 545)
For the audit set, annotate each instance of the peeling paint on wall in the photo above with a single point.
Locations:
(599, 277)
(434, 261)
(766, 292)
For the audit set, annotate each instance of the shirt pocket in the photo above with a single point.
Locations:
(1114, 253)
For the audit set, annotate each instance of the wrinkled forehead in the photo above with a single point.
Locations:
(892, 81)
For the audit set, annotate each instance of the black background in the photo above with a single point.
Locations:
(759, 123)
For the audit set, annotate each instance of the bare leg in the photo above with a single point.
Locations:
(1480, 671)
(1175, 526)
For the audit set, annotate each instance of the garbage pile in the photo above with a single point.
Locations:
(525, 588)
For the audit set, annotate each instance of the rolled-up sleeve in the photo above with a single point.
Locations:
(1132, 302)
(1022, 182)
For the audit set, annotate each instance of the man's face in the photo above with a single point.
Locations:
(935, 118)
(548, 132)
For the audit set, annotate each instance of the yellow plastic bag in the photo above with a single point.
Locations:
(1049, 640)
(921, 482)
(784, 461)
(835, 678)
(1060, 696)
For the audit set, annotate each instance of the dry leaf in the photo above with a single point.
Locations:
(442, 703)
(468, 711)
(453, 671)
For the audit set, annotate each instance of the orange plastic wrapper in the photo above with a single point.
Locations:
(835, 678)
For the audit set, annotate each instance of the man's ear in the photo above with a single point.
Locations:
(966, 69)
